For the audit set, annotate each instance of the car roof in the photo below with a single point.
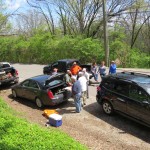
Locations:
(43, 78)
(68, 60)
(143, 80)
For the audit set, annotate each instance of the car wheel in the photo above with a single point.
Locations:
(39, 103)
(14, 93)
(107, 108)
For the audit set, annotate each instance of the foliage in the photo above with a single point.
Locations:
(44, 48)
(18, 134)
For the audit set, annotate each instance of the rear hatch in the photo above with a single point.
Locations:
(56, 89)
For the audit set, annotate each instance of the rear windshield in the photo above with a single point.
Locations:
(142, 80)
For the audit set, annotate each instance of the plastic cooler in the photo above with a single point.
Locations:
(55, 120)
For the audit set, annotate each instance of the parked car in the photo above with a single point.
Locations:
(43, 90)
(8, 74)
(127, 93)
(63, 65)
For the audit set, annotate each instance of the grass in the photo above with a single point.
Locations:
(18, 134)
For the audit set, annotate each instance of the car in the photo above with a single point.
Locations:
(127, 93)
(65, 64)
(43, 90)
(8, 74)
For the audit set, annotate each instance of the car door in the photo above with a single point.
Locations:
(120, 95)
(21, 90)
(138, 104)
(32, 91)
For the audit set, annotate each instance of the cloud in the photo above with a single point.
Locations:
(14, 4)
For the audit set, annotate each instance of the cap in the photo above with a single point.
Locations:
(84, 69)
(74, 78)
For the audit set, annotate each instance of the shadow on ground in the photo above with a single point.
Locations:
(120, 122)
(62, 108)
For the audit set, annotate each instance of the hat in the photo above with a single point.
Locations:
(74, 63)
(73, 78)
(84, 69)
(80, 74)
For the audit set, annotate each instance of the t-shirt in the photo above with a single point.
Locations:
(83, 82)
(75, 69)
(102, 70)
(112, 68)
(67, 78)
(76, 88)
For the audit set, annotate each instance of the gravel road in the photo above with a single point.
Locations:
(91, 127)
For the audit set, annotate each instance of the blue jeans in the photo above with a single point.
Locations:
(95, 75)
(77, 101)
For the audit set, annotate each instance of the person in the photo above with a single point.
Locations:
(76, 91)
(94, 70)
(112, 68)
(75, 69)
(54, 71)
(87, 76)
(83, 82)
(68, 78)
(102, 69)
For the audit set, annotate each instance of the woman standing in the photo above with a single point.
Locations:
(94, 70)
(102, 69)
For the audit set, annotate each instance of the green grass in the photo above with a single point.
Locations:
(18, 134)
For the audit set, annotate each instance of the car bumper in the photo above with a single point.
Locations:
(8, 81)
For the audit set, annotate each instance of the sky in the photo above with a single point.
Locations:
(13, 5)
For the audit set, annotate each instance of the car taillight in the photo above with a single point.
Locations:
(50, 94)
(16, 72)
(98, 88)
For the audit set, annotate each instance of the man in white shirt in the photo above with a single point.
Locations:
(87, 76)
(83, 82)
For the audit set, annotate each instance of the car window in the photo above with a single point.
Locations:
(55, 82)
(55, 65)
(25, 83)
(137, 94)
(33, 84)
(109, 85)
(121, 88)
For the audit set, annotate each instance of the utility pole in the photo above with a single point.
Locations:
(106, 42)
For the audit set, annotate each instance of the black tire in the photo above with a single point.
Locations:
(14, 94)
(38, 102)
(107, 108)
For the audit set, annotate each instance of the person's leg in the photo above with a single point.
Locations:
(84, 97)
(78, 103)
(87, 90)
(96, 77)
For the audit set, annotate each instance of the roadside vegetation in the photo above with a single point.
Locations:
(18, 134)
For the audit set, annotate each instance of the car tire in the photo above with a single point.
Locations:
(38, 103)
(107, 108)
(14, 93)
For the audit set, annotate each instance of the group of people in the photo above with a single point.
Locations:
(102, 69)
(78, 79)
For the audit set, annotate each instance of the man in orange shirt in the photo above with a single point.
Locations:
(75, 69)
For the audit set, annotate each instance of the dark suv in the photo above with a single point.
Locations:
(127, 93)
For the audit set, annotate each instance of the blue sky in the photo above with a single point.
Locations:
(13, 5)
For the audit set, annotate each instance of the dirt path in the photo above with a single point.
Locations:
(91, 127)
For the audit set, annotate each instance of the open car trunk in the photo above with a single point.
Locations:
(62, 92)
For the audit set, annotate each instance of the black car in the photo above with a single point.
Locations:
(127, 93)
(43, 89)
